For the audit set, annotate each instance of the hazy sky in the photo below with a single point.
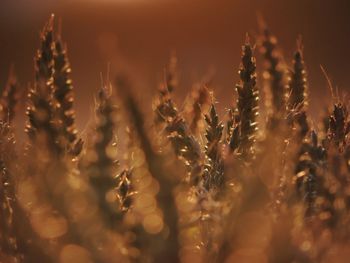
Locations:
(205, 34)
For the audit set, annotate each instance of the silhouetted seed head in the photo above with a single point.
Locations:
(213, 133)
(308, 178)
(214, 169)
(44, 63)
(339, 126)
(247, 102)
(40, 112)
(63, 98)
(297, 86)
(297, 93)
(183, 142)
(186, 147)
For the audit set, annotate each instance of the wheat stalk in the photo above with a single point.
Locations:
(339, 125)
(311, 159)
(214, 169)
(274, 75)
(298, 81)
(101, 169)
(64, 99)
(41, 111)
(247, 102)
(297, 89)
(183, 142)
(165, 199)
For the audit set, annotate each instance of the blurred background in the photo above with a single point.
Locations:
(207, 36)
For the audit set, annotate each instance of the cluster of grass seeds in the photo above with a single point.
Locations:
(192, 188)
